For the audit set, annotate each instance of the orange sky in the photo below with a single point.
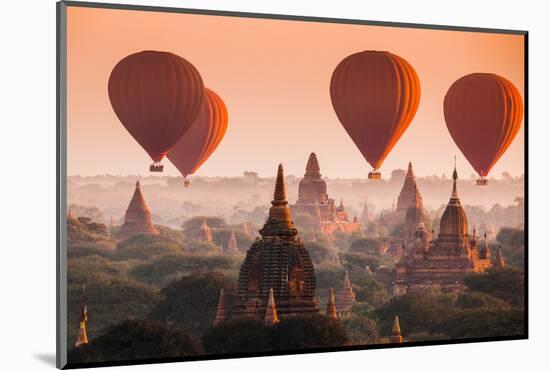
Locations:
(274, 77)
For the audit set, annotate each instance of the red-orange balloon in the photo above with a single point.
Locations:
(483, 112)
(157, 96)
(204, 136)
(375, 95)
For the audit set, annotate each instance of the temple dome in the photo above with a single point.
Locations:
(454, 221)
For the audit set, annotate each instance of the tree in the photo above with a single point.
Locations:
(192, 226)
(297, 332)
(319, 252)
(135, 340)
(507, 284)
(190, 302)
(360, 330)
(143, 247)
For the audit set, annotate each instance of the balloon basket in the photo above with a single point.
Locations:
(375, 175)
(156, 167)
(186, 183)
(482, 181)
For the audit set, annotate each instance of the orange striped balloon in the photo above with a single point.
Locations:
(375, 95)
(204, 136)
(483, 112)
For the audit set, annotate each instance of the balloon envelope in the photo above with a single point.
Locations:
(157, 96)
(204, 136)
(483, 112)
(375, 96)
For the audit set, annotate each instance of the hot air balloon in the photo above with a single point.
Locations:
(375, 95)
(157, 96)
(204, 136)
(483, 112)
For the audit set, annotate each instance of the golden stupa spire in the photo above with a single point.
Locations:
(82, 335)
(454, 194)
(279, 222)
(271, 317)
(279, 195)
(331, 306)
(396, 336)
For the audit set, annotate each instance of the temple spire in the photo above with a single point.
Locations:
(500, 259)
(232, 244)
(346, 296)
(312, 167)
(410, 170)
(82, 335)
(396, 336)
(271, 317)
(331, 306)
(221, 310)
(279, 222)
(454, 194)
(279, 195)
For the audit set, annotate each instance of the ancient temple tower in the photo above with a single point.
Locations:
(314, 200)
(409, 196)
(82, 335)
(204, 234)
(221, 310)
(138, 217)
(279, 261)
(246, 232)
(270, 316)
(396, 336)
(366, 216)
(499, 259)
(413, 218)
(346, 296)
(232, 244)
(331, 306)
(441, 263)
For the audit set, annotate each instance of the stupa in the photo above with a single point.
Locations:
(409, 195)
(204, 234)
(221, 310)
(82, 335)
(138, 217)
(332, 313)
(314, 200)
(346, 296)
(232, 244)
(396, 336)
(277, 261)
(442, 263)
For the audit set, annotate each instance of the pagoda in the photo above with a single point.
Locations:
(396, 336)
(366, 216)
(232, 244)
(138, 217)
(314, 200)
(332, 313)
(221, 310)
(82, 335)
(270, 316)
(346, 296)
(413, 219)
(204, 234)
(409, 195)
(278, 262)
(441, 263)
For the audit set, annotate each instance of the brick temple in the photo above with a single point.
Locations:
(138, 217)
(314, 200)
(277, 261)
(442, 263)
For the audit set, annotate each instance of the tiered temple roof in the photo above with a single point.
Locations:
(138, 217)
(444, 262)
(204, 234)
(409, 196)
(221, 310)
(346, 296)
(279, 261)
(232, 244)
(314, 200)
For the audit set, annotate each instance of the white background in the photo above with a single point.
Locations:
(27, 189)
